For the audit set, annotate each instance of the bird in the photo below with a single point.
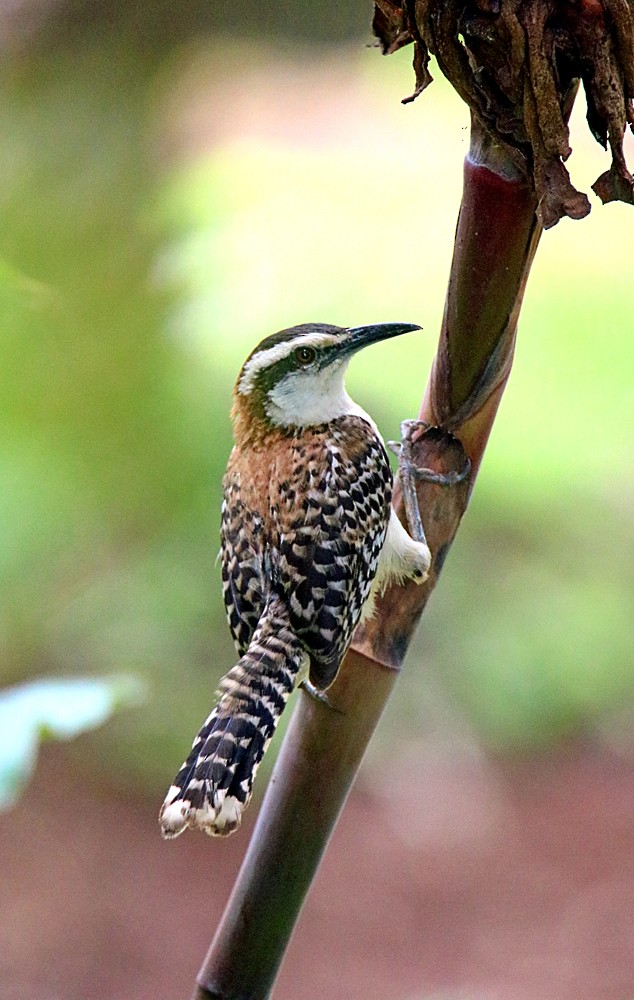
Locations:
(308, 539)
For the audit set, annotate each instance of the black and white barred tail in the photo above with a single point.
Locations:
(213, 787)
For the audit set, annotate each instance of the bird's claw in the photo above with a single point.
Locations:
(318, 695)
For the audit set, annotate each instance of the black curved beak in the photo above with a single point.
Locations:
(362, 336)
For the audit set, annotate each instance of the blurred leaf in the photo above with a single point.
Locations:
(52, 709)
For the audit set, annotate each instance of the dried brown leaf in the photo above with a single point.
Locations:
(516, 63)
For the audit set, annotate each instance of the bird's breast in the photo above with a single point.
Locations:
(298, 470)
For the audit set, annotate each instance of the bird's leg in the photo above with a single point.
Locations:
(410, 474)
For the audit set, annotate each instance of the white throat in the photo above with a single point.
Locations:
(305, 399)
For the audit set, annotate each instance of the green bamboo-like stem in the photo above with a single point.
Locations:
(496, 238)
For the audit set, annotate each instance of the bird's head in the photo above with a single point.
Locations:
(295, 378)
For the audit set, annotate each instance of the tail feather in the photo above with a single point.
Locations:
(213, 786)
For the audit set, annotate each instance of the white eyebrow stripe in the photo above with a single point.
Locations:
(269, 357)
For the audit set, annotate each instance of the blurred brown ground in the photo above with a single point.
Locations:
(516, 882)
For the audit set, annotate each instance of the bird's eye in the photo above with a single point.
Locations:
(305, 355)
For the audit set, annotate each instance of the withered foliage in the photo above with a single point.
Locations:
(517, 64)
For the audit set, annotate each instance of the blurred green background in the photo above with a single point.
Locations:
(175, 185)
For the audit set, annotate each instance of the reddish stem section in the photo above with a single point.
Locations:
(493, 251)
(496, 240)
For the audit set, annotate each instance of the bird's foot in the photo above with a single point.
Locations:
(410, 474)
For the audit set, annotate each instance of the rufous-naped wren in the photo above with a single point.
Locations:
(308, 537)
